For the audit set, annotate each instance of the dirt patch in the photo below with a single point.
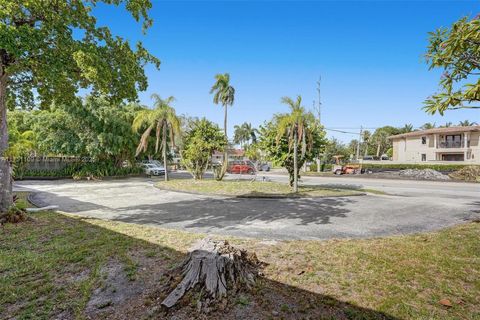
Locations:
(115, 290)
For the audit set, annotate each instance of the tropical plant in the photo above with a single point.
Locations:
(457, 52)
(467, 123)
(244, 134)
(278, 147)
(407, 128)
(200, 141)
(447, 125)
(94, 127)
(366, 135)
(380, 139)
(252, 152)
(224, 94)
(428, 125)
(239, 135)
(334, 147)
(50, 49)
(163, 120)
(295, 126)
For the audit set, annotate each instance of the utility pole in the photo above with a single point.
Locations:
(318, 109)
(358, 143)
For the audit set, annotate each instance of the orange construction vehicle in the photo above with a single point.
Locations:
(345, 169)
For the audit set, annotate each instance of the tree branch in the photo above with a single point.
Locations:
(464, 107)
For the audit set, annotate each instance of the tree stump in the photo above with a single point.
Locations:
(214, 268)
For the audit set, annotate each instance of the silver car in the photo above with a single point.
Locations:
(153, 169)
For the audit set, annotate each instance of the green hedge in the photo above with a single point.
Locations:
(77, 171)
(323, 167)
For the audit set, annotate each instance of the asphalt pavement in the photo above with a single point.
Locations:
(409, 207)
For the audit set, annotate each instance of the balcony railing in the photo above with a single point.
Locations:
(451, 144)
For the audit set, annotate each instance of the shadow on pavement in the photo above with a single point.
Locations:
(227, 213)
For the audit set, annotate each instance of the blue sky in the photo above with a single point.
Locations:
(369, 54)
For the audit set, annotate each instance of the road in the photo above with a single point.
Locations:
(412, 206)
(429, 189)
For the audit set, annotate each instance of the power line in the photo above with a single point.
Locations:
(341, 131)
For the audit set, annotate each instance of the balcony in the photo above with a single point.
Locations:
(451, 144)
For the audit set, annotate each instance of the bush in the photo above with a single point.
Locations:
(80, 170)
(313, 167)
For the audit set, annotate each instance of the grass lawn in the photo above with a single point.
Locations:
(63, 266)
(247, 188)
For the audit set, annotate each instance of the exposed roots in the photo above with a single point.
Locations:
(13, 215)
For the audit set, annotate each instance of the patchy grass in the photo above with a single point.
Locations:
(57, 265)
(247, 188)
(22, 199)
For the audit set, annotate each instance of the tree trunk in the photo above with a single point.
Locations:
(213, 268)
(223, 169)
(165, 149)
(295, 162)
(378, 149)
(6, 196)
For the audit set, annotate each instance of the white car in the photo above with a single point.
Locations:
(153, 169)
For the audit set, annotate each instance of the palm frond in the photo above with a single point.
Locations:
(143, 145)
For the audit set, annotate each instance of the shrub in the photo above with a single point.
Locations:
(80, 170)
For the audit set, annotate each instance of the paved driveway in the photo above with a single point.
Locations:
(137, 201)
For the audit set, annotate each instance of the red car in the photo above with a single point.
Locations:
(241, 167)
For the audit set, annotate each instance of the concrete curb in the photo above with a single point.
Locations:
(36, 202)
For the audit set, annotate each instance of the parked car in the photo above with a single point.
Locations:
(153, 169)
(241, 167)
(263, 167)
(368, 158)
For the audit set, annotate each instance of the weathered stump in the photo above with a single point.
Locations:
(214, 268)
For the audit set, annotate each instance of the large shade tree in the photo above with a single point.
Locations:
(92, 127)
(164, 121)
(224, 94)
(456, 50)
(49, 49)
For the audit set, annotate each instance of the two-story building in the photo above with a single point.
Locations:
(438, 144)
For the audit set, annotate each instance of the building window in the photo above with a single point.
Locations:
(424, 157)
(424, 140)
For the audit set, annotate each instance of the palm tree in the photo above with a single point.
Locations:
(250, 132)
(447, 125)
(381, 139)
(239, 135)
(366, 141)
(294, 124)
(407, 128)
(244, 133)
(428, 125)
(165, 121)
(224, 94)
(467, 123)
